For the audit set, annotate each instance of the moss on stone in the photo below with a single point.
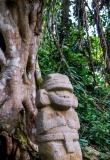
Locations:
(39, 82)
(20, 136)
(92, 154)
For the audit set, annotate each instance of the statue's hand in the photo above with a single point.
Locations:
(60, 119)
(71, 123)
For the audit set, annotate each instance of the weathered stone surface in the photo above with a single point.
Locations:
(57, 121)
(92, 154)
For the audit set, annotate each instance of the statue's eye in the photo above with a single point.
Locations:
(63, 93)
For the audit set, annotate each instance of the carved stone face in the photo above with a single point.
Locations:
(61, 99)
(63, 94)
(57, 92)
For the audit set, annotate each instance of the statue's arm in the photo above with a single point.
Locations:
(72, 119)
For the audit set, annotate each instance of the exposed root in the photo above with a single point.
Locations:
(8, 140)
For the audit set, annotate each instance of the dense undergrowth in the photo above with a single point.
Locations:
(76, 51)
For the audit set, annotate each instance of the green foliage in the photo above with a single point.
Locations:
(94, 125)
(90, 85)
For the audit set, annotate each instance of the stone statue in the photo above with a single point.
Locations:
(57, 121)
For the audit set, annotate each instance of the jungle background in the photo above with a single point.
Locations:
(76, 42)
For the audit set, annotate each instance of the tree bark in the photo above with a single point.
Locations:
(64, 28)
(20, 32)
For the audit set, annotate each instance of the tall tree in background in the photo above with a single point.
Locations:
(20, 31)
(76, 43)
(64, 28)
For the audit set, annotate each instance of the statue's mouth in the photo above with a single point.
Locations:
(60, 102)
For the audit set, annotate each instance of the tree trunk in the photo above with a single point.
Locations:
(64, 28)
(20, 31)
